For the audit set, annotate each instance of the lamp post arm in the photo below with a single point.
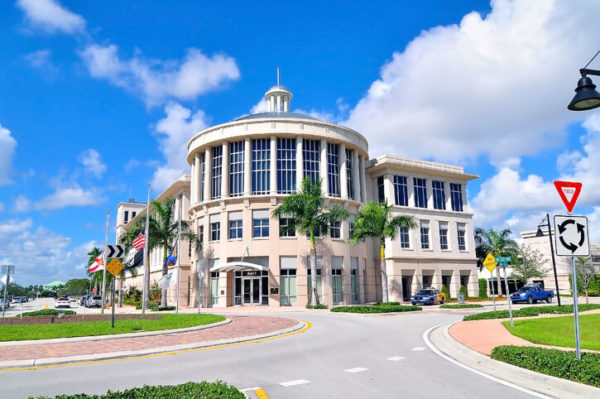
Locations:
(585, 71)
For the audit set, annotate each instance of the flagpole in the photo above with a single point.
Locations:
(104, 258)
(146, 261)
(179, 250)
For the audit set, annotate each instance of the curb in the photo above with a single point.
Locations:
(33, 363)
(533, 383)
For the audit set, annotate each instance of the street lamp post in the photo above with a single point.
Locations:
(586, 96)
(540, 233)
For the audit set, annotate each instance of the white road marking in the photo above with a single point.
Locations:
(418, 348)
(356, 370)
(456, 362)
(395, 358)
(293, 382)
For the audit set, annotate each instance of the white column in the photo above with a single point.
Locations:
(343, 172)
(278, 103)
(274, 164)
(207, 173)
(355, 175)
(286, 104)
(388, 189)
(193, 182)
(410, 183)
(299, 163)
(447, 196)
(463, 190)
(247, 167)
(225, 171)
(196, 182)
(323, 169)
(270, 101)
(429, 185)
(363, 186)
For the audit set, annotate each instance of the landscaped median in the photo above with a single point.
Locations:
(381, 307)
(531, 311)
(46, 327)
(189, 390)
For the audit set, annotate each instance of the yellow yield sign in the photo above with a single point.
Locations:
(115, 267)
(490, 262)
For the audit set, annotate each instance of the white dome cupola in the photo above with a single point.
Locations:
(278, 97)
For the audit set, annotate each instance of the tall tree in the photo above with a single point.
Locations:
(376, 220)
(306, 213)
(530, 263)
(163, 226)
(496, 243)
(95, 277)
(586, 271)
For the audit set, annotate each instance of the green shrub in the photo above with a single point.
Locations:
(132, 295)
(151, 306)
(163, 308)
(376, 308)
(482, 288)
(554, 362)
(531, 311)
(463, 306)
(319, 306)
(445, 292)
(48, 312)
(386, 304)
(463, 291)
(189, 390)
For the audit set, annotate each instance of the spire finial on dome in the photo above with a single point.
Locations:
(278, 97)
(277, 76)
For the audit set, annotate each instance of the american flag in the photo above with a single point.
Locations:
(139, 241)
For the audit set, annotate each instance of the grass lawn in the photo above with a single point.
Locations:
(91, 328)
(559, 331)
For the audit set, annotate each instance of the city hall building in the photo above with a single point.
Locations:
(242, 170)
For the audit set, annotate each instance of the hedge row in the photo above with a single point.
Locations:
(377, 308)
(554, 362)
(319, 306)
(189, 390)
(465, 306)
(531, 311)
(48, 312)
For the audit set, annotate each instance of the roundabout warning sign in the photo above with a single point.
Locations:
(571, 235)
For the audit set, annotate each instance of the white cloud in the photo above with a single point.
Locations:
(39, 254)
(495, 85)
(22, 204)
(51, 17)
(261, 106)
(7, 149)
(157, 80)
(92, 163)
(41, 60)
(174, 132)
(73, 195)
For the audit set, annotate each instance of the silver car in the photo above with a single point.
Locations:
(93, 301)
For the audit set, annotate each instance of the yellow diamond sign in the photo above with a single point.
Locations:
(490, 262)
(114, 267)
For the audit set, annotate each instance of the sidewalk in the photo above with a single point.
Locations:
(59, 351)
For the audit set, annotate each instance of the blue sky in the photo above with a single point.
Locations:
(99, 98)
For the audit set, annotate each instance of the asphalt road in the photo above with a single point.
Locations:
(340, 356)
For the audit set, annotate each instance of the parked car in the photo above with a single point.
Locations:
(62, 302)
(94, 301)
(532, 294)
(428, 296)
(83, 300)
(72, 300)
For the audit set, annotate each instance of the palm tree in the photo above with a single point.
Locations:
(376, 220)
(95, 278)
(496, 243)
(306, 214)
(163, 226)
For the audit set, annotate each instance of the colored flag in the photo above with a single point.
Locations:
(172, 258)
(139, 241)
(97, 265)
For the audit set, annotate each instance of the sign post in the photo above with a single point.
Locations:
(114, 267)
(490, 263)
(503, 261)
(7, 270)
(572, 239)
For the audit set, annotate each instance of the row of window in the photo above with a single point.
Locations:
(285, 153)
(126, 216)
(420, 193)
(260, 229)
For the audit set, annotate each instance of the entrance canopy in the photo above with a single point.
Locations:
(237, 266)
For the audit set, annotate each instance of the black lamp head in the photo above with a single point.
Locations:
(586, 96)
(539, 232)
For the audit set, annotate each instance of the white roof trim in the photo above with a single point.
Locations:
(237, 266)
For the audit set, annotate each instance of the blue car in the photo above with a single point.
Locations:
(428, 296)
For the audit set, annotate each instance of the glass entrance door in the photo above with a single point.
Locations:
(251, 290)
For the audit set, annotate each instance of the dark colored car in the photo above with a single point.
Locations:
(532, 294)
(428, 296)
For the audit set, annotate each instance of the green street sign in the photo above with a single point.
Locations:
(503, 260)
